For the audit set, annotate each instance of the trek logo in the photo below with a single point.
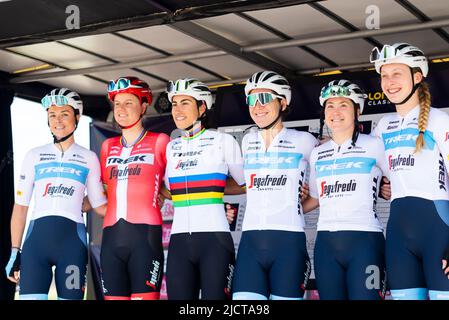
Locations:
(147, 158)
(407, 138)
(123, 173)
(61, 170)
(267, 181)
(273, 160)
(187, 164)
(350, 165)
(155, 275)
(441, 173)
(61, 189)
(400, 161)
(337, 187)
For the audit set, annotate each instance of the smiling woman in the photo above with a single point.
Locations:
(56, 236)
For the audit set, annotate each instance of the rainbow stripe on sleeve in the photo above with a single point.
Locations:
(200, 189)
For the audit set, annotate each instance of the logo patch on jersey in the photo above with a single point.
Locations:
(400, 161)
(324, 156)
(266, 182)
(47, 156)
(147, 158)
(337, 188)
(442, 173)
(407, 138)
(61, 170)
(273, 160)
(124, 173)
(51, 190)
(188, 153)
(19, 193)
(447, 137)
(155, 275)
(186, 164)
(350, 165)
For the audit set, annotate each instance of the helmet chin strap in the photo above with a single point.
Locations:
(196, 121)
(415, 87)
(56, 140)
(131, 125)
(275, 120)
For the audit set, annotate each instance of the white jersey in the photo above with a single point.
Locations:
(422, 174)
(196, 173)
(59, 181)
(274, 177)
(346, 179)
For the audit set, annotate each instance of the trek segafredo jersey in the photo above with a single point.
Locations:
(59, 181)
(133, 176)
(422, 174)
(346, 179)
(274, 178)
(196, 173)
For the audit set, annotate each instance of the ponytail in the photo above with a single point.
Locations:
(424, 109)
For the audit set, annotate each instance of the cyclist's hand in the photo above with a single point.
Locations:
(304, 192)
(230, 213)
(13, 267)
(385, 188)
(160, 200)
(445, 262)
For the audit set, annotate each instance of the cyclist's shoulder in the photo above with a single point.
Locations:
(367, 139)
(45, 150)
(326, 147)
(80, 151)
(300, 136)
(111, 141)
(438, 117)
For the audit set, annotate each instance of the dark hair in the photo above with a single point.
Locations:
(208, 117)
(355, 133)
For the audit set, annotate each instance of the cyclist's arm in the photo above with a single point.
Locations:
(164, 192)
(100, 210)
(442, 137)
(96, 194)
(233, 188)
(18, 221)
(310, 204)
(234, 160)
(24, 192)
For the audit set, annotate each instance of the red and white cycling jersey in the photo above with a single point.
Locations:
(133, 177)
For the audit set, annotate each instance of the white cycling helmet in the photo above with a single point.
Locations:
(62, 97)
(190, 87)
(345, 89)
(399, 53)
(269, 80)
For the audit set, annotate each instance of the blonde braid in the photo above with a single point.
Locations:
(424, 108)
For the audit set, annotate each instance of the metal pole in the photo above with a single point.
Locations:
(348, 36)
(118, 66)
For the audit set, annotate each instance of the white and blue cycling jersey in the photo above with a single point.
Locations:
(346, 179)
(59, 180)
(422, 174)
(274, 178)
(418, 226)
